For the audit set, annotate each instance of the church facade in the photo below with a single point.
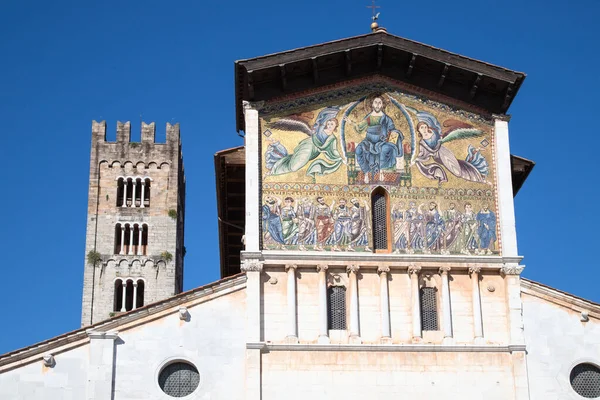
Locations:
(378, 256)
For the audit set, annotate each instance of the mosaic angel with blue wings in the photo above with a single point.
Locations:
(474, 167)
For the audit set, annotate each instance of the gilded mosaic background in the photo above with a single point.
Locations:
(320, 165)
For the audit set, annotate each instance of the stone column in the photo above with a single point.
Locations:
(134, 184)
(323, 323)
(134, 295)
(253, 269)
(130, 249)
(477, 319)
(123, 296)
(292, 336)
(446, 308)
(506, 207)
(101, 364)
(143, 191)
(414, 271)
(251, 139)
(384, 296)
(122, 251)
(352, 270)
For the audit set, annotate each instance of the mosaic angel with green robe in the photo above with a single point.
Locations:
(320, 140)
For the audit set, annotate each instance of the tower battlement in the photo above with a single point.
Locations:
(124, 132)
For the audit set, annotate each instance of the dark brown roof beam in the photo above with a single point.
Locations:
(315, 70)
(379, 56)
(443, 76)
(411, 65)
(283, 78)
(250, 85)
(508, 96)
(474, 87)
(348, 63)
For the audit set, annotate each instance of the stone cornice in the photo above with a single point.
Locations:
(412, 348)
(560, 298)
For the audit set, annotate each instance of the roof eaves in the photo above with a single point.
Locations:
(565, 299)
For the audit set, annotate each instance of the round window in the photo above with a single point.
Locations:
(179, 379)
(585, 380)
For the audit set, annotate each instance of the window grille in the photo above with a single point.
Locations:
(337, 307)
(179, 379)
(429, 318)
(585, 380)
(380, 233)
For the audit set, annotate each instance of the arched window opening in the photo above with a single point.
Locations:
(147, 192)
(137, 248)
(139, 300)
(429, 312)
(144, 240)
(127, 239)
(381, 223)
(137, 193)
(128, 192)
(118, 295)
(336, 296)
(120, 192)
(118, 241)
(129, 296)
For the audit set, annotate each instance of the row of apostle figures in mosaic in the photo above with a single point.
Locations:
(388, 139)
(346, 226)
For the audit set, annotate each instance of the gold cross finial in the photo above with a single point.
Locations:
(375, 15)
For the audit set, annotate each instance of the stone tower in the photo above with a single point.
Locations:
(135, 224)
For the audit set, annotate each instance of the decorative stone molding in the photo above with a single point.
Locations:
(48, 360)
(183, 313)
(414, 269)
(512, 269)
(383, 268)
(252, 265)
(502, 117)
(288, 266)
(474, 270)
(352, 268)
(102, 335)
(322, 267)
(444, 270)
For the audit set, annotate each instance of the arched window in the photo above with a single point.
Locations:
(118, 241)
(120, 192)
(381, 221)
(336, 299)
(139, 300)
(128, 193)
(144, 240)
(429, 312)
(118, 295)
(127, 239)
(146, 192)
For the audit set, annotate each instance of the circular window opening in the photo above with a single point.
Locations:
(585, 380)
(179, 379)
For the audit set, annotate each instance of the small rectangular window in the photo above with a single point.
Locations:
(337, 307)
(429, 317)
(380, 222)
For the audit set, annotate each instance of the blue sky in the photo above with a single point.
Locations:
(64, 64)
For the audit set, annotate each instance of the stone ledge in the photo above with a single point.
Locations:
(409, 348)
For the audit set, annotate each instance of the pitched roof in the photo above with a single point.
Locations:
(484, 85)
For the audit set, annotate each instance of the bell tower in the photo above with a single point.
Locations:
(135, 225)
